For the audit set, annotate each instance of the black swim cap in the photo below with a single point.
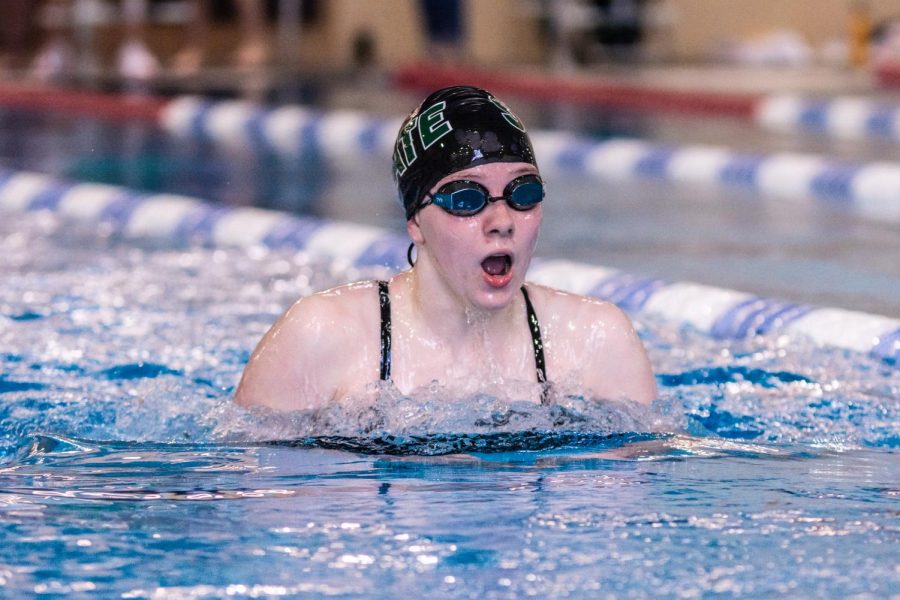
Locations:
(453, 129)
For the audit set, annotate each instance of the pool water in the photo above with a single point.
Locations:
(768, 467)
(140, 520)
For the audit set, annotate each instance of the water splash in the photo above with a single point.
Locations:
(146, 344)
(435, 421)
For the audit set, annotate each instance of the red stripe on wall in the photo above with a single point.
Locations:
(588, 91)
(115, 107)
(889, 75)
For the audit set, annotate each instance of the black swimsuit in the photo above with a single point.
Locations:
(533, 326)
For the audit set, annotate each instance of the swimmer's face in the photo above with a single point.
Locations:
(481, 258)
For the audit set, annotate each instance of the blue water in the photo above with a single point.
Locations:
(149, 520)
(768, 467)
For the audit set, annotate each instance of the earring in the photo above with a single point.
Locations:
(409, 256)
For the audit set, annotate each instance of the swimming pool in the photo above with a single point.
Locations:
(767, 468)
(126, 471)
(817, 253)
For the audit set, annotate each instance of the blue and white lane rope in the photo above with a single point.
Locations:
(871, 190)
(844, 117)
(721, 313)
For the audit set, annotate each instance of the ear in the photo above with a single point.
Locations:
(414, 231)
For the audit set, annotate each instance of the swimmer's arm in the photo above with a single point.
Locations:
(290, 367)
(621, 368)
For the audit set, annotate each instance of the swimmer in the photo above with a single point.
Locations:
(462, 316)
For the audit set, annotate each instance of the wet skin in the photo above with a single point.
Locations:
(452, 250)
(458, 318)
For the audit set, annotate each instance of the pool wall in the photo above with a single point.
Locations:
(718, 312)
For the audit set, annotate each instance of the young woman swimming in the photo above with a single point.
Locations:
(462, 315)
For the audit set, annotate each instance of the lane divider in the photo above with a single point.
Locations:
(840, 117)
(721, 313)
(845, 117)
(871, 190)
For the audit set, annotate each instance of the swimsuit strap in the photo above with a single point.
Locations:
(536, 341)
(385, 302)
(533, 326)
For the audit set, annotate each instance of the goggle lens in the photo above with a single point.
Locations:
(526, 194)
(465, 198)
(468, 200)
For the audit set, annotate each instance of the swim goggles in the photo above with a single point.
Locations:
(464, 198)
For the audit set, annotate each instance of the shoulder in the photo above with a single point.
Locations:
(332, 323)
(334, 308)
(598, 339)
(573, 310)
(305, 357)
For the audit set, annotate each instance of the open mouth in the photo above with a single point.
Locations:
(497, 265)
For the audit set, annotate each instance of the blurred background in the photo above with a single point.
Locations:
(721, 180)
(167, 38)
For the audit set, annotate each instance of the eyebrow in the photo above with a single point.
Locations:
(526, 168)
(523, 170)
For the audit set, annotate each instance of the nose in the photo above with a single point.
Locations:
(498, 219)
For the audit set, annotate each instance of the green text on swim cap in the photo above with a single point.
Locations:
(507, 114)
(431, 125)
